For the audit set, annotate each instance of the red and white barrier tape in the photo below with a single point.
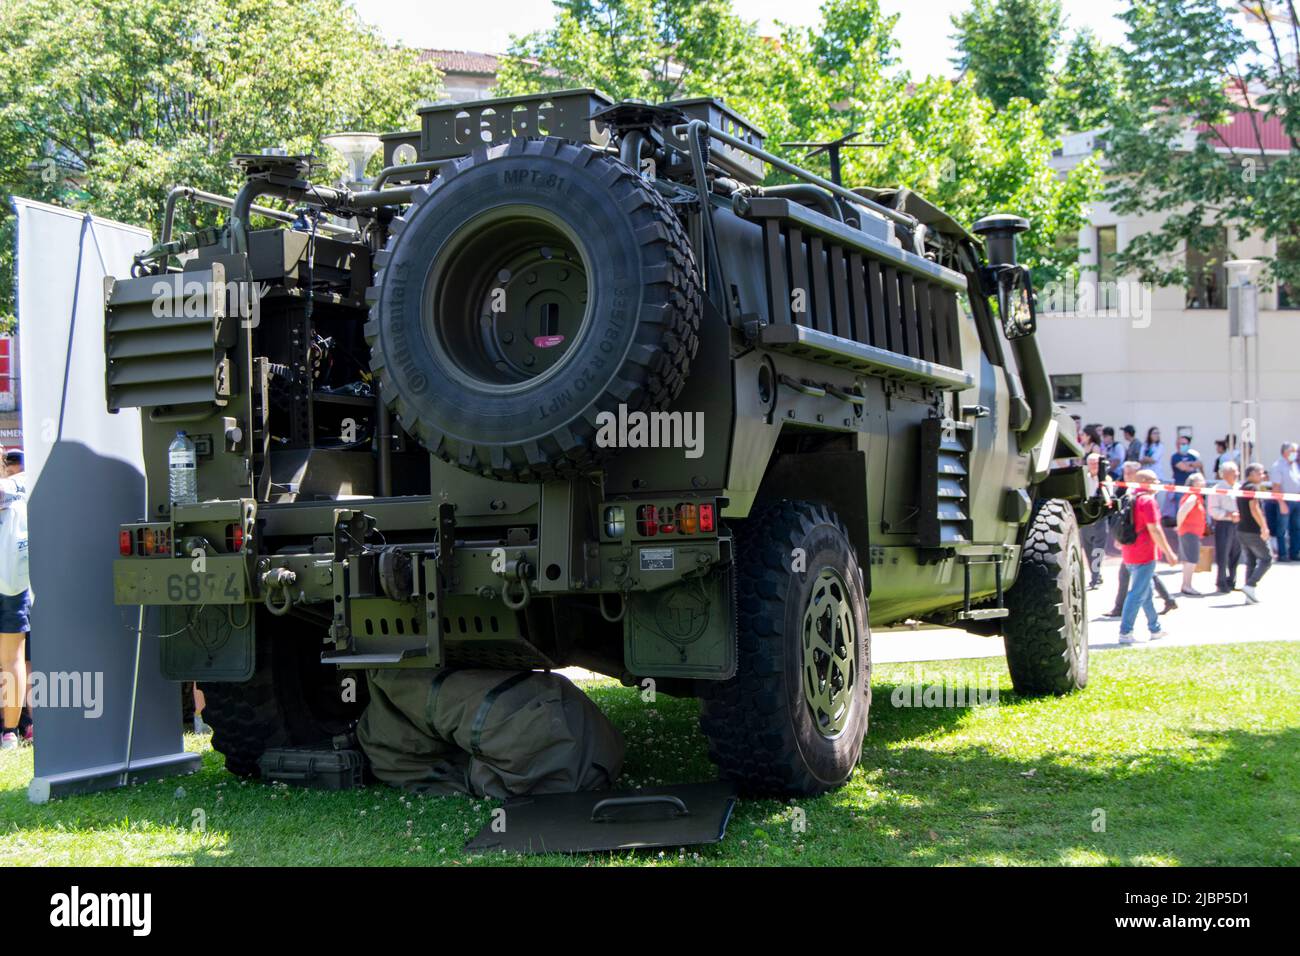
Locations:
(1208, 490)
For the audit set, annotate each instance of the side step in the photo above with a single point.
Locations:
(967, 613)
(983, 614)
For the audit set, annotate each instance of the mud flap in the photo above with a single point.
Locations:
(685, 815)
(208, 643)
(687, 630)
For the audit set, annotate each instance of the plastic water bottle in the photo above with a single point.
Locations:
(182, 470)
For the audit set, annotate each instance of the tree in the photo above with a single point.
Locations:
(942, 139)
(1191, 69)
(1009, 47)
(105, 105)
(1087, 88)
(633, 49)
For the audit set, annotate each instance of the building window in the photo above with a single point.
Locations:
(1067, 388)
(1107, 276)
(1207, 278)
(1288, 293)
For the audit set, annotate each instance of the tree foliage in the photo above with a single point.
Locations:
(106, 104)
(1009, 47)
(941, 138)
(640, 49)
(1190, 68)
(1088, 86)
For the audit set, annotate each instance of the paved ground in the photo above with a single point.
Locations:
(1213, 619)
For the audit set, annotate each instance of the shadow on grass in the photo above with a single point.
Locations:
(1232, 798)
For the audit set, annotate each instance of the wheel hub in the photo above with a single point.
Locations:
(830, 652)
(1075, 619)
(512, 299)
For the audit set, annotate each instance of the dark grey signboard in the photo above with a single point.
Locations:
(105, 715)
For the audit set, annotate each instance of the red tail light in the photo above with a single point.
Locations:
(706, 517)
(647, 521)
(667, 520)
(234, 537)
(125, 542)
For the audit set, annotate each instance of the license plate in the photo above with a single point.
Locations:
(174, 581)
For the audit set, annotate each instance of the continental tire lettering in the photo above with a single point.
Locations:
(398, 340)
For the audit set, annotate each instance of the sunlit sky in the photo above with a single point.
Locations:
(485, 26)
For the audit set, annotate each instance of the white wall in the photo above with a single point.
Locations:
(1173, 369)
(1167, 365)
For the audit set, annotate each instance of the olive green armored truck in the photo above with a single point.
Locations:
(567, 385)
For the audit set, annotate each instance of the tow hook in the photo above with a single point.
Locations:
(517, 571)
(278, 580)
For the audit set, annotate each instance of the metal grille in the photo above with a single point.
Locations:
(160, 340)
(818, 283)
(944, 519)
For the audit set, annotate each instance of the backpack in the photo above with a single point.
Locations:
(1126, 531)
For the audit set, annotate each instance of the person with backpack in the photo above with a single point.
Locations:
(1141, 534)
(1131, 469)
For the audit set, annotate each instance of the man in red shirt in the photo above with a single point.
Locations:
(1140, 559)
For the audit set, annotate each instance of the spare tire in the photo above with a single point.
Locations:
(529, 288)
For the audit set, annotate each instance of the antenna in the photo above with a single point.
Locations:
(832, 150)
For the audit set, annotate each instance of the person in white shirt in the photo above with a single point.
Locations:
(15, 606)
(1225, 512)
(13, 468)
(1284, 516)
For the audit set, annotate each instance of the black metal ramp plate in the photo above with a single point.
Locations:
(603, 820)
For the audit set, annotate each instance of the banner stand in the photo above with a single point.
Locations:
(110, 719)
(94, 779)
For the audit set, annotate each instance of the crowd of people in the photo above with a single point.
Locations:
(1151, 522)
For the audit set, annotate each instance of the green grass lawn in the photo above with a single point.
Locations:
(1192, 754)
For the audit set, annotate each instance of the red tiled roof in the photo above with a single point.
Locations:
(1243, 132)
(462, 61)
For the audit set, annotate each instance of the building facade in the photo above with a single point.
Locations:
(465, 75)
(1121, 354)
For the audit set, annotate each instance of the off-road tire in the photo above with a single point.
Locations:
(292, 700)
(643, 317)
(760, 727)
(1046, 632)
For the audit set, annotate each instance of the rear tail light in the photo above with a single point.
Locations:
(234, 537)
(647, 521)
(667, 520)
(688, 520)
(685, 517)
(615, 521)
(145, 541)
(706, 518)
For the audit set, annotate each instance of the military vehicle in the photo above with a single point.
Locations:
(569, 385)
